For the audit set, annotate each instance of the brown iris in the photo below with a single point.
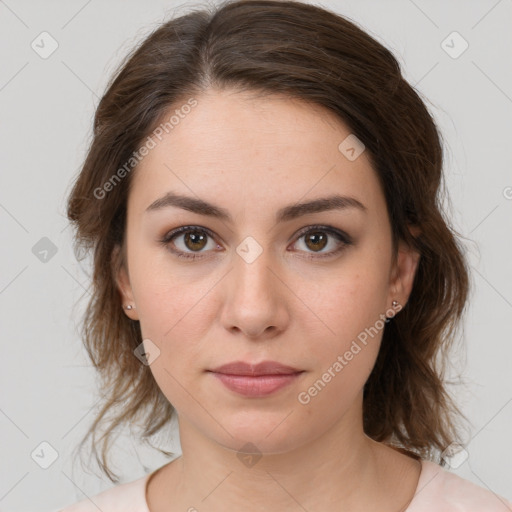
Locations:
(196, 239)
(318, 239)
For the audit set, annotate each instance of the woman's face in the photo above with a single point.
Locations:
(261, 283)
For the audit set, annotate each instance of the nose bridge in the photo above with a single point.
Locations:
(253, 268)
(253, 303)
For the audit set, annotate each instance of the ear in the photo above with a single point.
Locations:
(122, 279)
(403, 272)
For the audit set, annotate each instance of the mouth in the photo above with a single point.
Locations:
(255, 380)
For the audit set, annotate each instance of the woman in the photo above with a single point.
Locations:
(272, 265)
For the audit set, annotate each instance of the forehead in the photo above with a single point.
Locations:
(234, 147)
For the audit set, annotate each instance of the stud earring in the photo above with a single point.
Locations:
(394, 304)
(130, 306)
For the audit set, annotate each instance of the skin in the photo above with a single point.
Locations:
(253, 156)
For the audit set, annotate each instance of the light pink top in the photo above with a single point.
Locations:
(438, 491)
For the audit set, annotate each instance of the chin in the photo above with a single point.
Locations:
(262, 435)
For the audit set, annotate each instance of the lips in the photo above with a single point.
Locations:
(255, 370)
(256, 380)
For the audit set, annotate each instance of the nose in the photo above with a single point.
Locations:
(255, 298)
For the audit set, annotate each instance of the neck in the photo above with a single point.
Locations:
(337, 471)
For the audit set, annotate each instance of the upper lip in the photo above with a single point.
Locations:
(263, 368)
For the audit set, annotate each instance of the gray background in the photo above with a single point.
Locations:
(47, 386)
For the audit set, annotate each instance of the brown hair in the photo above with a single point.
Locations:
(305, 52)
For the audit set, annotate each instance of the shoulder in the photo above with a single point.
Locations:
(440, 490)
(127, 497)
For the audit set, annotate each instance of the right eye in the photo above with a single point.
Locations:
(192, 239)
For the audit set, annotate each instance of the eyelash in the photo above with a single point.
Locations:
(340, 235)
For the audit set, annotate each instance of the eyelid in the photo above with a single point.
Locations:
(328, 229)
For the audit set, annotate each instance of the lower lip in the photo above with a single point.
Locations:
(259, 386)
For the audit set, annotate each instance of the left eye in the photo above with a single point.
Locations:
(316, 238)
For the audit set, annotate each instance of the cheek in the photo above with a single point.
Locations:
(350, 303)
(170, 316)
(344, 358)
(351, 309)
(164, 295)
(175, 313)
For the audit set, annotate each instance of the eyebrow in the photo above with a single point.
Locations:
(287, 213)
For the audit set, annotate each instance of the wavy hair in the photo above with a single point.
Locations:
(309, 53)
